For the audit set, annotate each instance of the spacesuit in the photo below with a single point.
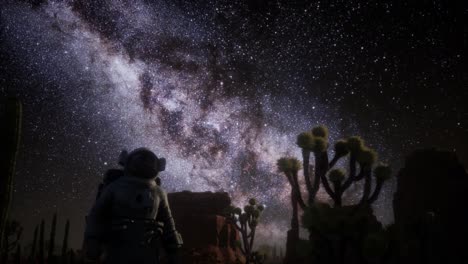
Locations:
(126, 218)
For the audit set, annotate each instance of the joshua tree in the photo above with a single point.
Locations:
(323, 221)
(246, 223)
(360, 156)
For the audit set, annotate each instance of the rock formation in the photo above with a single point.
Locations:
(208, 237)
(431, 212)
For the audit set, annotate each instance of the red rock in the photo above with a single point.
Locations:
(208, 237)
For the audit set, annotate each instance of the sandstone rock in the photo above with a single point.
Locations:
(208, 237)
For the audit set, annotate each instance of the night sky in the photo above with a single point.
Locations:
(221, 89)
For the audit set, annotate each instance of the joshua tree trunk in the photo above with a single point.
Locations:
(295, 216)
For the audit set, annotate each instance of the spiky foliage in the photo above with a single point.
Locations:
(355, 143)
(288, 165)
(320, 131)
(360, 155)
(341, 148)
(320, 145)
(305, 140)
(11, 113)
(366, 157)
(337, 175)
(246, 223)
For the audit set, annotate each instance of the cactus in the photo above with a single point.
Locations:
(65, 242)
(11, 118)
(246, 223)
(17, 259)
(11, 237)
(53, 228)
(41, 243)
(34, 244)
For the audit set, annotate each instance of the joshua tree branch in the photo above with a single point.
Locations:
(321, 171)
(316, 186)
(351, 179)
(367, 187)
(352, 165)
(361, 174)
(375, 194)
(333, 161)
(305, 165)
(297, 191)
(252, 233)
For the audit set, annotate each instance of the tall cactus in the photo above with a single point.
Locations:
(41, 243)
(17, 259)
(11, 119)
(53, 228)
(34, 245)
(11, 239)
(246, 223)
(65, 242)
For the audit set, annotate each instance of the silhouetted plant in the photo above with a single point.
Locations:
(11, 114)
(360, 156)
(11, 237)
(257, 257)
(32, 256)
(333, 230)
(246, 222)
(17, 259)
(65, 242)
(41, 243)
(53, 228)
(290, 167)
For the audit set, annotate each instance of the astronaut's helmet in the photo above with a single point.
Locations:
(143, 163)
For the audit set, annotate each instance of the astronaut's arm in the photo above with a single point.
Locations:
(96, 224)
(171, 238)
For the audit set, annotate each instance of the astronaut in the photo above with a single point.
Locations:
(126, 216)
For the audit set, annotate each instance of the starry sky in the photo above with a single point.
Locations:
(221, 89)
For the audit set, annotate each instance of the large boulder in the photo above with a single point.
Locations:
(208, 236)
